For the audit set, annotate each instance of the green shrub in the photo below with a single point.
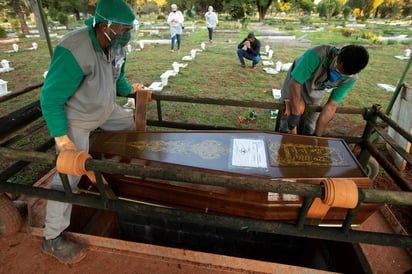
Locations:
(368, 35)
(392, 42)
(15, 24)
(304, 20)
(245, 22)
(376, 40)
(3, 33)
(406, 42)
(63, 19)
(161, 17)
(289, 27)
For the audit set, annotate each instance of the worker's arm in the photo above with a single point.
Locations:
(63, 78)
(294, 96)
(329, 109)
(294, 99)
(327, 113)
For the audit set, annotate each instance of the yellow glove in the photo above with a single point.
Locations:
(136, 87)
(64, 143)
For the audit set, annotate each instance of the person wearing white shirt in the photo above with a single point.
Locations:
(175, 20)
(211, 22)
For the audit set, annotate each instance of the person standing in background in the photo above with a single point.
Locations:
(211, 22)
(175, 20)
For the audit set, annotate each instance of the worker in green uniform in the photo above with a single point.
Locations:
(323, 68)
(85, 75)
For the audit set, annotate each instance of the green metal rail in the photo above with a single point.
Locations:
(108, 200)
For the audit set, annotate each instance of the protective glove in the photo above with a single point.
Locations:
(136, 87)
(64, 143)
(293, 121)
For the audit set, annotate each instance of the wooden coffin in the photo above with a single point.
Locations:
(302, 159)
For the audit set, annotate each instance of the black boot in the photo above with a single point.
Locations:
(64, 249)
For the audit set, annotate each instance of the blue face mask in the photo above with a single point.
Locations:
(334, 75)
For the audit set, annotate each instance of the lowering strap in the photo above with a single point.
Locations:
(338, 192)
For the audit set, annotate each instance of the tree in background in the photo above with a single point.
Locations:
(365, 7)
(346, 10)
(262, 8)
(240, 10)
(389, 8)
(304, 7)
(394, 9)
(39, 24)
(328, 8)
(75, 7)
(17, 7)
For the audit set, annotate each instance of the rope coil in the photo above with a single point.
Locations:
(72, 162)
(338, 192)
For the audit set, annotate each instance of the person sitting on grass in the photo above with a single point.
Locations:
(252, 51)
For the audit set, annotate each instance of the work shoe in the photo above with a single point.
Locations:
(242, 66)
(63, 249)
(254, 67)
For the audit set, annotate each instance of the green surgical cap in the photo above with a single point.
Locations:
(112, 11)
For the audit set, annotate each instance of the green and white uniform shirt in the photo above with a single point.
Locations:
(82, 93)
(311, 70)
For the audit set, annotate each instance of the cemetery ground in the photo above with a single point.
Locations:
(215, 73)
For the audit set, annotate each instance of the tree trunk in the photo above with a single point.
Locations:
(77, 14)
(39, 23)
(19, 12)
(262, 9)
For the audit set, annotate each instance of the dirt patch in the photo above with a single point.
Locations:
(402, 213)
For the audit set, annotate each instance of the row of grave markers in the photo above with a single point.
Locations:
(6, 67)
(164, 77)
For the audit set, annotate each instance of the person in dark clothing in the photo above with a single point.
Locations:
(252, 51)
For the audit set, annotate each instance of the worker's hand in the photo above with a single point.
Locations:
(64, 143)
(247, 43)
(293, 121)
(136, 87)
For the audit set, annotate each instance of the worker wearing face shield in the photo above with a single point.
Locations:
(86, 74)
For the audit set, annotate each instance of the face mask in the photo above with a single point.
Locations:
(334, 75)
(119, 40)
